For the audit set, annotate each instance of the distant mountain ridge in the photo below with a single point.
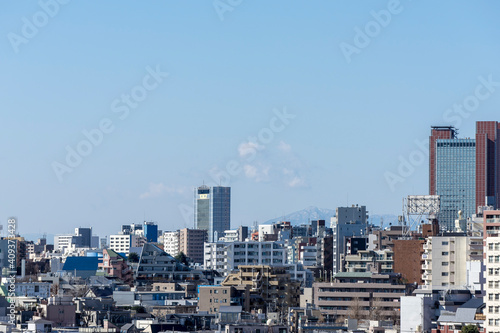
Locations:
(310, 213)
(304, 216)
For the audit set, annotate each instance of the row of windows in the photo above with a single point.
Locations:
(494, 284)
(496, 322)
(495, 296)
(494, 246)
(495, 259)
(493, 309)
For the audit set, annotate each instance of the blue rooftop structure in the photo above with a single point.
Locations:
(81, 266)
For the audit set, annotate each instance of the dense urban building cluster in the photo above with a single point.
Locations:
(436, 269)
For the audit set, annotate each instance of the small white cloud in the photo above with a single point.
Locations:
(155, 190)
(257, 173)
(284, 147)
(249, 148)
(250, 171)
(296, 182)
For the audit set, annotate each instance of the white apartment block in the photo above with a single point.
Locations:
(309, 255)
(171, 242)
(230, 236)
(226, 257)
(122, 243)
(492, 286)
(452, 261)
(63, 242)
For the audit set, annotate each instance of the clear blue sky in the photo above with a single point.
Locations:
(353, 120)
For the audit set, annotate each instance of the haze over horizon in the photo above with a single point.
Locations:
(113, 114)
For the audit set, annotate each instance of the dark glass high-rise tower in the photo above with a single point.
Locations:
(213, 210)
(464, 172)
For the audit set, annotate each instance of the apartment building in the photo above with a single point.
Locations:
(491, 235)
(211, 298)
(191, 242)
(269, 286)
(171, 242)
(122, 243)
(370, 261)
(360, 295)
(452, 259)
(226, 257)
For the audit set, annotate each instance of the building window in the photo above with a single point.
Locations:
(444, 274)
(445, 263)
(444, 253)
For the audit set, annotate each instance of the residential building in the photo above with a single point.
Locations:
(191, 243)
(213, 210)
(226, 257)
(238, 235)
(448, 258)
(155, 265)
(348, 222)
(211, 298)
(269, 286)
(171, 242)
(360, 295)
(33, 289)
(115, 265)
(122, 243)
(370, 261)
(409, 259)
(491, 236)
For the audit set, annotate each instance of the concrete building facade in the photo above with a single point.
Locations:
(191, 243)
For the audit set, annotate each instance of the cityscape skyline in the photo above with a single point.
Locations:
(272, 100)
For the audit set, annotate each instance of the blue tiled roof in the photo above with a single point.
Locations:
(81, 264)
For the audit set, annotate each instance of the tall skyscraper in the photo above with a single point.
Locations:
(437, 132)
(464, 172)
(487, 163)
(213, 210)
(455, 179)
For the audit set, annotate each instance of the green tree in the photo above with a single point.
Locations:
(133, 257)
(469, 329)
(182, 258)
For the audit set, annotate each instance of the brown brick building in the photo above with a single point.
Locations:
(408, 259)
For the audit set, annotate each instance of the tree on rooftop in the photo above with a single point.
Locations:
(182, 258)
(469, 329)
(133, 257)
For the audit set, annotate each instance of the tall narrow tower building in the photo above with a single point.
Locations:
(213, 210)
